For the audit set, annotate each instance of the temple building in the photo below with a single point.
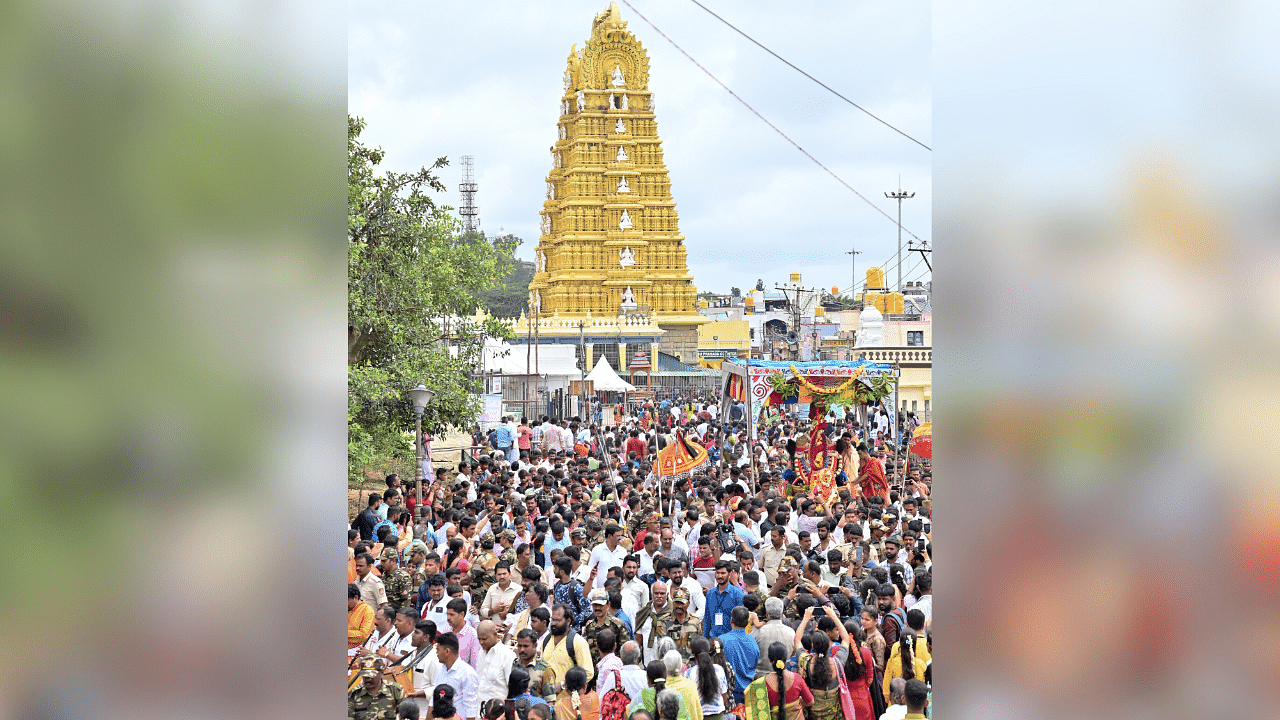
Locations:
(611, 264)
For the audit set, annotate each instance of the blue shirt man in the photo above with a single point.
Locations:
(503, 437)
(722, 598)
(742, 651)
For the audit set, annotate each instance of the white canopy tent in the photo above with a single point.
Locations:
(606, 379)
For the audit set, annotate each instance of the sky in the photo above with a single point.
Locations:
(485, 79)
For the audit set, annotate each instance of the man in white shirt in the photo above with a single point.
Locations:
(384, 636)
(434, 608)
(423, 661)
(495, 663)
(608, 554)
(501, 596)
(697, 597)
(458, 675)
(633, 587)
(897, 696)
(649, 555)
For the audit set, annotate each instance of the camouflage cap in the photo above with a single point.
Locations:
(390, 554)
(372, 666)
(788, 563)
(594, 524)
(895, 538)
(599, 596)
(680, 595)
(508, 534)
(487, 537)
(877, 525)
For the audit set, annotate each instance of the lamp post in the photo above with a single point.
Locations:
(421, 395)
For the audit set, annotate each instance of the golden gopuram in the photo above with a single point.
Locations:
(610, 255)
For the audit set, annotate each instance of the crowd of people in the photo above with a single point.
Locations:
(555, 575)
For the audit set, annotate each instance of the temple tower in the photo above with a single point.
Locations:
(610, 242)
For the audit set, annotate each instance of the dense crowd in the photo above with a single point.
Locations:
(553, 574)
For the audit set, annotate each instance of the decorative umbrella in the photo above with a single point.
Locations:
(922, 441)
(681, 458)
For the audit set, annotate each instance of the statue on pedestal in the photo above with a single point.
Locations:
(582, 101)
(624, 102)
(622, 154)
(617, 77)
(619, 128)
(629, 299)
(622, 185)
(625, 222)
(626, 258)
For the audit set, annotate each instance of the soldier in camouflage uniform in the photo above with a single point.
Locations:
(507, 539)
(395, 581)
(416, 554)
(541, 679)
(682, 626)
(375, 698)
(482, 575)
(601, 620)
(594, 537)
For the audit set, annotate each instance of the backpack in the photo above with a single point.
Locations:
(614, 704)
(897, 614)
(568, 638)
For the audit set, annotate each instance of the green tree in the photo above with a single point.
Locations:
(511, 296)
(412, 289)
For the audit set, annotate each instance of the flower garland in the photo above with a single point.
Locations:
(821, 391)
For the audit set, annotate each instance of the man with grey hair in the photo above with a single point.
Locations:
(773, 631)
(897, 695)
(634, 678)
(653, 620)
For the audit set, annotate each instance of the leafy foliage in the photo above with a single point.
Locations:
(511, 296)
(412, 288)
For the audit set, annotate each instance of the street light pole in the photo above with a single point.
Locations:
(899, 196)
(853, 256)
(421, 395)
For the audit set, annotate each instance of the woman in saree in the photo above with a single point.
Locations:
(780, 695)
(647, 700)
(859, 673)
(822, 675)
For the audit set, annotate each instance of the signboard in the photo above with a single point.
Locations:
(575, 387)
(490, 409)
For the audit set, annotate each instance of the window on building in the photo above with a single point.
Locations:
(926, 412)
(913, 407)
(915, 338)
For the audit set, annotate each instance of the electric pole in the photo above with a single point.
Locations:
(899, 196)
(853, 256)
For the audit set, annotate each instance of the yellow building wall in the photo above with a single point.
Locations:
(732, 334)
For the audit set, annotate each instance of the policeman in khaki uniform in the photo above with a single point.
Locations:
(375, 698)
(600, 620)
(683, 627)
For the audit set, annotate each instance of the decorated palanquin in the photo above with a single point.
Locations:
(814, 459)
(680, 459)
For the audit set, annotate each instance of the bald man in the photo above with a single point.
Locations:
(494, 665)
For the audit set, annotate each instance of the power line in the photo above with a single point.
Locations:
(793, 67)
(766, 121)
